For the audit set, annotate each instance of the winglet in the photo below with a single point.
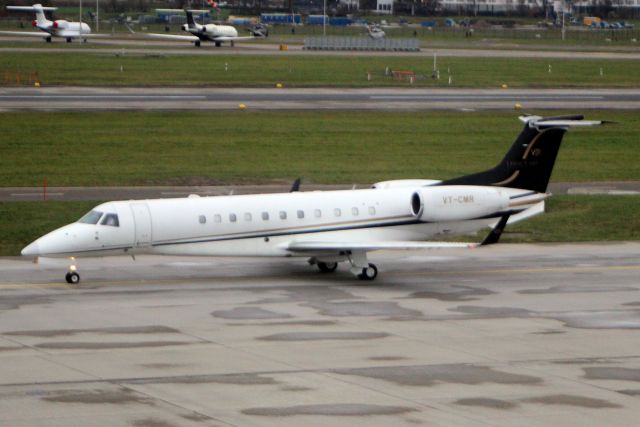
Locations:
(495, 234)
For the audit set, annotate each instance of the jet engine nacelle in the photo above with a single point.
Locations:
(457, 202)
(60, 24)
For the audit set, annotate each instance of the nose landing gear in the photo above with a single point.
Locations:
(72, 277)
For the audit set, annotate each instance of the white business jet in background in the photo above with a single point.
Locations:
(58, 28)
(326, 227)
(376, 32)
(210, 32)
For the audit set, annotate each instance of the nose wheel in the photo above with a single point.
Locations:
(72, 277)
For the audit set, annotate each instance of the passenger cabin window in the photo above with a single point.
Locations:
(233, 217)
(300, 214)
(247, 216)
(354, 211)
(283, 215)
(202, 219)
(111, 219)
(317, 213)
(91, 218)
(265, 216)
(337, 212)
(372, 210)
(217, 218)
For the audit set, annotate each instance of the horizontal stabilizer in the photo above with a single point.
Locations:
(561, 121)
(32, 8)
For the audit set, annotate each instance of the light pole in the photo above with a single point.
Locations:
(97, 15)
(324, 19)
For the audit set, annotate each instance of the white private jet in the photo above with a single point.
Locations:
(376, 32)
(209, 32)
(325, 227)
(58, 28)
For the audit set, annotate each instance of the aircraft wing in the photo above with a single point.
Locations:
(25, 33)
(372, 246)
(173, 37)
(231, 39)
(75, 34)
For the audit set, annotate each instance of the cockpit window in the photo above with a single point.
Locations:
(111, 219)
(91, 218)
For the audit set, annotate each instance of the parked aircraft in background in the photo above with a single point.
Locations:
(376, 32)
(58, 28)
(209, 32)
(326, 227)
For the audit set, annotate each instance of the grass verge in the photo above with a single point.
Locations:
(568, 218)
(194, 148)
(105, 69)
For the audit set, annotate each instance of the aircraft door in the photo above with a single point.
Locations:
(142, 225)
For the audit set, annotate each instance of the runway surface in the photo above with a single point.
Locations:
(389, 99)
(139, 45)
(509, 335)
(14, 194)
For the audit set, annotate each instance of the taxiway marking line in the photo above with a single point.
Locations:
(498, 97)
(115, 97)
(35, 194)
(523, 270)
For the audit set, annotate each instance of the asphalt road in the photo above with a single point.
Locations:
(138, 45)
(389, 99)
(536, 335)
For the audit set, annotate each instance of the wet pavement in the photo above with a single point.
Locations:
(507, 335)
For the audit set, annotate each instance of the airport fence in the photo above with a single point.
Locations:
(361, 43)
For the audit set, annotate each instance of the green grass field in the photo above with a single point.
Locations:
(125, 148)
(97, 68)
(568, 218)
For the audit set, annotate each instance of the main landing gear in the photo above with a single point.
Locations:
(48, 39)
(360, 267)
(368, 273)
(327, 267)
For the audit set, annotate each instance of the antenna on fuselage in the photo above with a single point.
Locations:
(296, 185)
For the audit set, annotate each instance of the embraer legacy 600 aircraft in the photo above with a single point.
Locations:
(57, 28)
(210, 32)
(326, 227)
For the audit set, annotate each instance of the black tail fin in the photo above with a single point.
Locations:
(529, 162)
(190, 21)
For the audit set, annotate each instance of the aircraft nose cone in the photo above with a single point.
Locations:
(31, 250)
